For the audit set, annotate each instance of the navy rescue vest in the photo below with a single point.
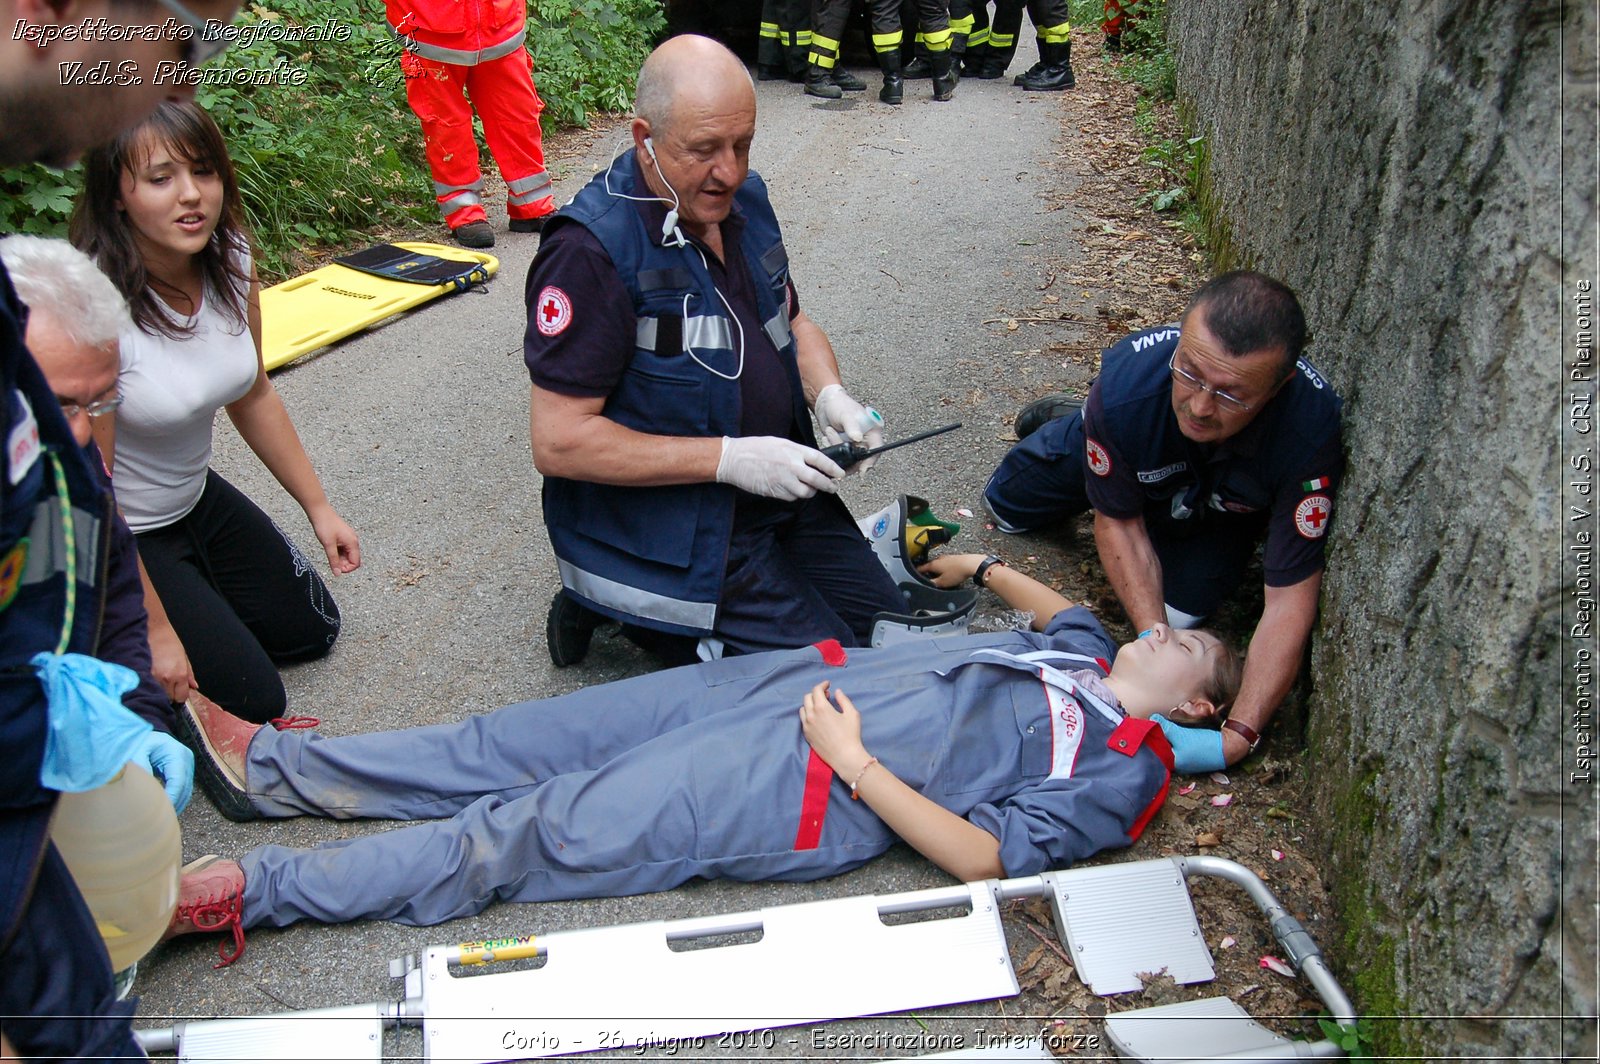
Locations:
(45, 488)
(656, 556)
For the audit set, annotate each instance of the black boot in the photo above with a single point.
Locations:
(568, 629)
(1033, 71)
(944, 75)
(919, 67)
(848, 81)
(984, 63)
(894, 86)
(1057, 72)
(819, 82)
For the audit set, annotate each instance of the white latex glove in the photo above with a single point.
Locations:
(842, 418)
(776, 468)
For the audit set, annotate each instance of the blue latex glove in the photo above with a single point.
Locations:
(92, 734)
(171, 763)
(1193, 749)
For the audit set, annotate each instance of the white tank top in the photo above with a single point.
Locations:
(171, 392)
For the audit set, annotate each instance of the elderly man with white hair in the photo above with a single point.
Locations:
(674, 380)
(74, 314)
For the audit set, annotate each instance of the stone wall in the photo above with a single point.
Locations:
(1402, 167)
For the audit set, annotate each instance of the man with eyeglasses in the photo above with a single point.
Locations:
(72, 73)
(1196, 441)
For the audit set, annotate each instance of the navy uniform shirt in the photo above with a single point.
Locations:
(1280, 471)
(589, 353)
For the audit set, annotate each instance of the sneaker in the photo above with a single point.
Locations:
(569, 628)
(1035, 415)
(529, 225)
(220, 742)
(474, 235)
(211, 899)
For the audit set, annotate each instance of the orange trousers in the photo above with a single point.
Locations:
(503, 93)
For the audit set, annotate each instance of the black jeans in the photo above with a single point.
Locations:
(241, 597)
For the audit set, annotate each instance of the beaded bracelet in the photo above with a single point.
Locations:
(870, 762)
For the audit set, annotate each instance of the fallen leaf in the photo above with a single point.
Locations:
(1228, 942)
(1221, 800)
(1273, 964)
(1208, 838)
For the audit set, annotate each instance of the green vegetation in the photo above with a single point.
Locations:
(1354, 1038)
(1177, 157)
(325, 159)
(587, 52)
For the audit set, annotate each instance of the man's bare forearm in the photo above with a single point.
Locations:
(1276, 650)
(1131, 564)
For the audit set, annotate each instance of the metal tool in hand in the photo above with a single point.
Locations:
(848, 453)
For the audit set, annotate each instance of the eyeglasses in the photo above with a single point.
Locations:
(1185, 379)
(96, 408)
(206, 39)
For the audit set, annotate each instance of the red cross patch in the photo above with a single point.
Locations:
(1311, 516)
(1099, 460)
(552, 311)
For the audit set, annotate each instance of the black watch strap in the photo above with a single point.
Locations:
(983, 569)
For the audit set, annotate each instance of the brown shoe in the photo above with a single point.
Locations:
(221, 745)
(211, 899)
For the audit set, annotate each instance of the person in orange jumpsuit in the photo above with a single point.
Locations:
(474, 50)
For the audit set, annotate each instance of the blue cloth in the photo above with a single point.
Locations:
(639, 785)
(1204, 506)
(92, 734)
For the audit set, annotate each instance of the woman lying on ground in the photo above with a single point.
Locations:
(996, 754)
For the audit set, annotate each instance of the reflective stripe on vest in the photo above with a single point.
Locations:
(47, 544)
(637, 601)
(702, 332)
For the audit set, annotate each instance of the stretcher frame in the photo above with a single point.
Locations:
(934, 962)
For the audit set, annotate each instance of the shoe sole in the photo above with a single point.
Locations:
(218, 784)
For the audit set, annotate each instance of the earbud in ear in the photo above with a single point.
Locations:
(650, 150)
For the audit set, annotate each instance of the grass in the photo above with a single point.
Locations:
(326, 147)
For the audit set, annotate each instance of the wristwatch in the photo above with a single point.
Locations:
(983, 568)
(1244, 731)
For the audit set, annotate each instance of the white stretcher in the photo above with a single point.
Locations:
(778, 967)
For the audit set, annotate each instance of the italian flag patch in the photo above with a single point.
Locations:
(1315, 485)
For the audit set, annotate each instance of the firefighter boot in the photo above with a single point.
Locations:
(944, 75)
(819, 82)
(1057, 72)
(893, 90)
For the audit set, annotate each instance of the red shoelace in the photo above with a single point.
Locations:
(215, 916)
(294, 723)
